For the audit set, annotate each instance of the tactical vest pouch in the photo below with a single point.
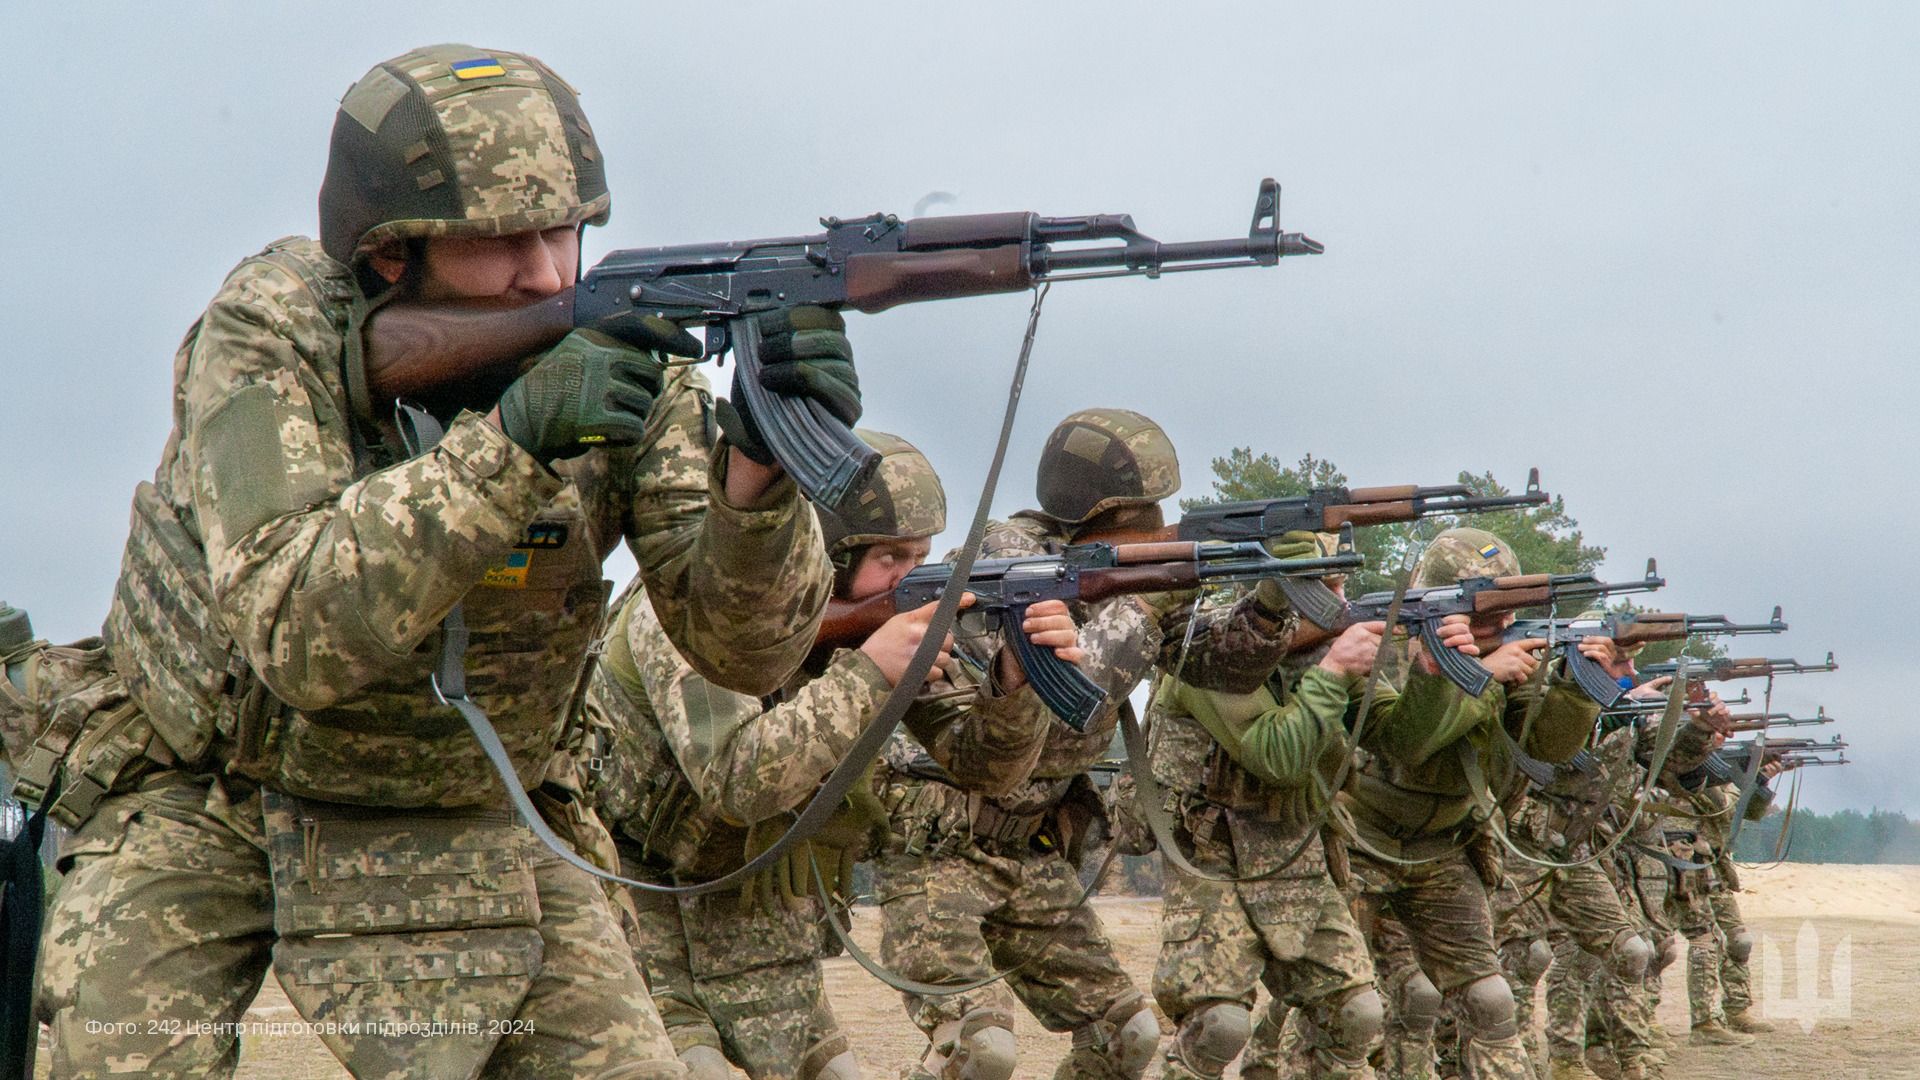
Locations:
(83, 728)
(164, 636)
(394, 925)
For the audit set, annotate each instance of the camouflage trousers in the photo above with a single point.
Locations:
(1736, 979)
(1579, 985)
(1294, 933)
(1443, 907)
(744, 981)
(1693, 912)
(162, 929)
(963, 915)
(1583, 904)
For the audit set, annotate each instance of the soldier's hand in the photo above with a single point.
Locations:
(892, 646)
(1652, 688)
(1514, 662)
(589, 390)
(1049, 626)
(1600, 650)
(1298, 544)
(1351, 654)
(804, 352)
(1455, 632)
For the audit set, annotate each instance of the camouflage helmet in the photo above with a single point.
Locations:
(1459, 554)
(902, 501)
(1098, 459)
(450, 140)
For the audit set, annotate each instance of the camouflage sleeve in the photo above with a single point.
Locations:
(988, 743)
(740, 590)
(1561, 726)
(1427, 716)
(1235, 644)
(748, 762)
(327, 581)
(1282, 744)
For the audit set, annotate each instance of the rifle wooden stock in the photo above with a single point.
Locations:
(469, 349)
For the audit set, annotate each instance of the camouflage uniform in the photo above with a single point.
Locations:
(1247, 777)
(981, 873)
(322, 812)
(1424, 852)
(1706, 912)
(690, 766)
(1555, 825)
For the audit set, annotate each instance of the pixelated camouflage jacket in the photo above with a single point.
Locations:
(1414, 783)
(686, 766)
(332, 564)
(1233, 647)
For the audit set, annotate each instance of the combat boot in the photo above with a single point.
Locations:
(1714, 1033)
(1745, 1021)
(1561, 1069)
(1658, 1037)
(1601, 1064)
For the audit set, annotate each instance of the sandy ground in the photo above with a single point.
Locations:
(1871, 913)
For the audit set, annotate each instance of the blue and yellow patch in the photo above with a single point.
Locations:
(482, 67)
(510, 572)
(1489, 551)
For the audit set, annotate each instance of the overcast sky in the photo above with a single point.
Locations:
(1667, 253)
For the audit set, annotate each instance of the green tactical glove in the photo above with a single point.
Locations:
(804, 352)
(589, 390)
(845, 838)
(1298, 544)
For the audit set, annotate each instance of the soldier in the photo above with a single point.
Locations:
(1554, 824)
(1735, 978)
(303, 800)
(982, 873)
(1250, 777)
(696, 779)
(1698, 917)
(1423, 851)
(1577, 985)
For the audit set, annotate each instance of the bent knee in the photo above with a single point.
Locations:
(1212, 1036)
(1490, 1007)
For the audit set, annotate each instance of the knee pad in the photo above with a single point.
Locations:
(1669, 952)
(980, 1046)
(1420, 1002)
(1534, 964)
(1629, 957)
(705, 1063)
(1359, 1023)
(1133, 1044)
(1740, 946)
(1489, 1008)
(841, 1066)
(1212, 1036)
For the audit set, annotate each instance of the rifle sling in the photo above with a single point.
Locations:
(22, 906)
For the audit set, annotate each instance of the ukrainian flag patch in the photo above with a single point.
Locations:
(1489, 551)
(483, 67)
(510, 572)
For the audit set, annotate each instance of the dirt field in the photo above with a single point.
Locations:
(1873, 909)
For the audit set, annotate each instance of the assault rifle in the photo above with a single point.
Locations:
(1324, 509)
(1724, 668)
(1768, 721)
(1628, 628)
(1003, 589)
(1423, 609)
(1626, 711)
(1735, 760)
(869, 264)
